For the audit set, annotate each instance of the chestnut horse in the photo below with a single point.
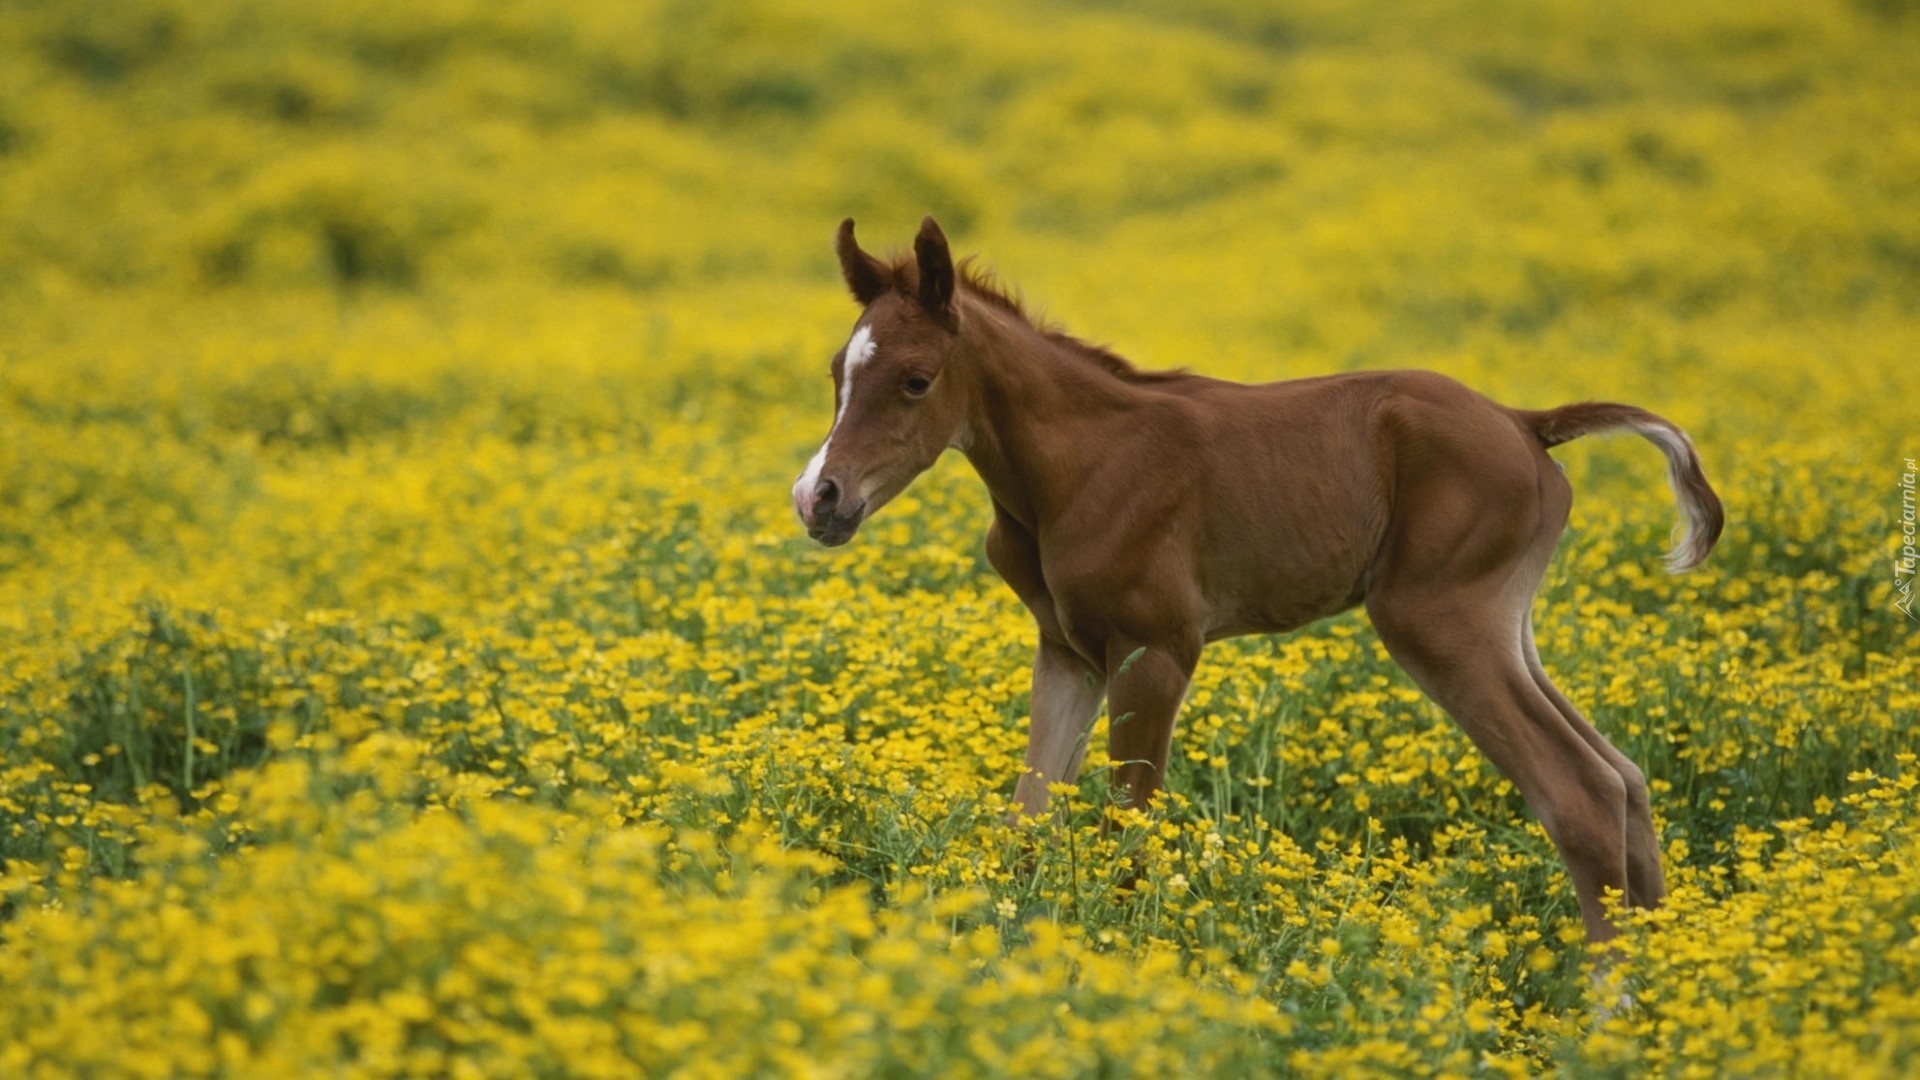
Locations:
(1139, 515)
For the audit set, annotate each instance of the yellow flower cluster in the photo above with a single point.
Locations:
(410, 665)
(507, 940)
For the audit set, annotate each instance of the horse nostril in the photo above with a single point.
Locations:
(826, 495)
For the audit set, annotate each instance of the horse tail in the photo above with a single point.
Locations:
(1701, 515)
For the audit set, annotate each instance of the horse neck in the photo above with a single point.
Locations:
(1039, 414)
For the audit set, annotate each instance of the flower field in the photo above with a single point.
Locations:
(410, 664)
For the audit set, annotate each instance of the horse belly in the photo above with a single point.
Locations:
(1288, 555)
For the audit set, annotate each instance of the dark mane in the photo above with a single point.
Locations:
(982, 285)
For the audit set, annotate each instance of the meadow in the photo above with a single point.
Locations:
(410, 663)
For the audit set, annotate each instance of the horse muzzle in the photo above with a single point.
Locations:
(828, 518)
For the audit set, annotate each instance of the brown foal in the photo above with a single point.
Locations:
(1140, 515)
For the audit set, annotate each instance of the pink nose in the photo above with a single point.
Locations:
(822, 498)
(803, 499)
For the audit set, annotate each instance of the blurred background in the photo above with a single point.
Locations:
(1584, 187)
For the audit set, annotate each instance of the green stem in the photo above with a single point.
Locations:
(186, 768)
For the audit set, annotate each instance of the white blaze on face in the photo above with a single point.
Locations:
(859, 350)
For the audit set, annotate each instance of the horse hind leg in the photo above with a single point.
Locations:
(1464, 645)
(1646, 883)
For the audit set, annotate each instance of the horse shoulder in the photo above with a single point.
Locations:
(1135, 578)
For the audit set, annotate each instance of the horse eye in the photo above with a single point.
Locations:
(918, 384)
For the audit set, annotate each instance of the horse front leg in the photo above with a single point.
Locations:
(1147, 684)
(1066, 700)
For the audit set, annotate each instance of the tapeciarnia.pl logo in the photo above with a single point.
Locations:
(1904, 564)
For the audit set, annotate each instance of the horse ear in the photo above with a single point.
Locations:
(936, 272)
(866, 278)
